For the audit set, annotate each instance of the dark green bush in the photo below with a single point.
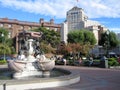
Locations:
(96, 62)
(71, 62)
(3, 62)
(112, 62)
(86, 62)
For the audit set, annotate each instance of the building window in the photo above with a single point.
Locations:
(1, 25)
(9, 25)
(21, 27)
(29, 27)
(55, 29)
(9, 34)
(47, 28)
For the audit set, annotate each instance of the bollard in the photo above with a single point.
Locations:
(106, 63)
(4, 86)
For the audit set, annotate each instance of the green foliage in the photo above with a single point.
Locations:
(9, 42)
(76, 37)
(5, 49)
(6, 44)
(96, 62)
(3, 32)
(3, 62)
(49, 36)
(113, 40)
(89, 37)
(82, 37)
(71, 62)
(112, 62)
(46, 48)
(109, 39)
(75, 48)
(85, 38)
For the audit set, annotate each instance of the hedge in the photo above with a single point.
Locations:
(3, 62)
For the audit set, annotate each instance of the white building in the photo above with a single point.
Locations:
(88, 23)
(118, 35)
(76, 20)
(64, 31)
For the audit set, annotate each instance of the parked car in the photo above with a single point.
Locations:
(112, 54)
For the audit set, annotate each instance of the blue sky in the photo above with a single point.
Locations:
(107, 12)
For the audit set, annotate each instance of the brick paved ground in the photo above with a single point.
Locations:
(93, 79)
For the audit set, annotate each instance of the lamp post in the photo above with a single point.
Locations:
(3, 44)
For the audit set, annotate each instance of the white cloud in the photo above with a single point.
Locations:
(116, 30)
(58, 8)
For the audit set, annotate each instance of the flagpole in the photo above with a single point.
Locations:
(77, 2)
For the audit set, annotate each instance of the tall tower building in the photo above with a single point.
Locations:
(75, 18)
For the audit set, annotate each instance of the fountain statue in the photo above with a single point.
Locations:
(30, 65)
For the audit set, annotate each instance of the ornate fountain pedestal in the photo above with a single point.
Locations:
(31, 66)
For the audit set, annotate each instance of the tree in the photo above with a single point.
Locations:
(85, 38)
(89, 37)
(5, 49)
(76, 37)
(82, 37)
(49, 37)
(3, 35)
(49, 40)
(6, 44)
(108, 40)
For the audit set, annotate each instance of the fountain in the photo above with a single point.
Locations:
(32, 62)
(31, 65)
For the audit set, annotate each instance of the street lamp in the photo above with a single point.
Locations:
(3, 44)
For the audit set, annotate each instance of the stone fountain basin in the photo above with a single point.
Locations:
(46, 65)
(17, 65)
(38, 83)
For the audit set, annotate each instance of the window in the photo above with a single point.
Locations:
(55, 29)
(1, 25)
(9, 25)
(22, 27)
(9, 34)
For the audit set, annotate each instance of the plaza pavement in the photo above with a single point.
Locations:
(93, 78)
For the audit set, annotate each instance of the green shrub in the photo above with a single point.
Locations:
(96, 60)
(86, 62)
(3, 62)
(112, 62)
(47, 48)
(71, 62)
